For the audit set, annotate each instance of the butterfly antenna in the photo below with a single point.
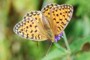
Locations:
(48, 49)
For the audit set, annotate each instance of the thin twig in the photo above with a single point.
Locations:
(48, 49)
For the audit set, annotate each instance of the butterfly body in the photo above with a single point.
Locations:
(45, 24)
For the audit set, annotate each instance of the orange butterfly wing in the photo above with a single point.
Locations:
(31, 27)
(58, 16)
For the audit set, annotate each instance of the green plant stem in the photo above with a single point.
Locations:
(67, 45)
(66, 42)
(59, 47)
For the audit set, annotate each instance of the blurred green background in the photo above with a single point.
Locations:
(13, 47)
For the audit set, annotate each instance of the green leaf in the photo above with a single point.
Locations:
(78, 28)
(78, 44)
(86, 25)
(56, 53)
(83, 56)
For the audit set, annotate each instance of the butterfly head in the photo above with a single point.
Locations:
(56, 37)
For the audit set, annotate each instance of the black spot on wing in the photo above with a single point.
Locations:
(59, 28)
(31, 31)
(63, 23)
(66, 19)
(30, 25)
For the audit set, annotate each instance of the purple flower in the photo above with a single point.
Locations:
(58, 37)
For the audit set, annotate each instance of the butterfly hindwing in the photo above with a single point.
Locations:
(30, 26)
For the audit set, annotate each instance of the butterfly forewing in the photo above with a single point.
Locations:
(58, 16)
(47, 13)
(61, 16)
(31, 27)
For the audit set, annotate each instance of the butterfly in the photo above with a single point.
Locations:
(47, 24)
